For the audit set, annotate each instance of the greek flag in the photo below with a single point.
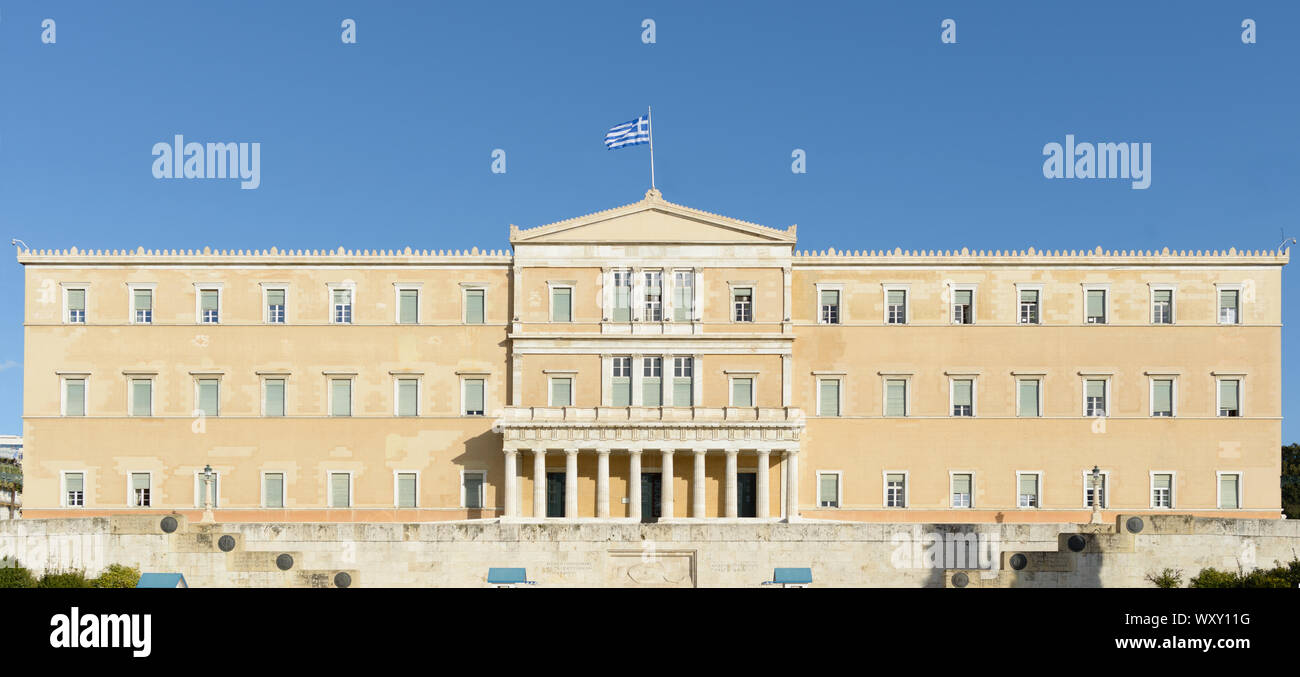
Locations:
(629, 133)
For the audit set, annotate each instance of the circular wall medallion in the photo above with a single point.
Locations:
(1135, 524)
(342, 579)
(1076, 543)
(960, 579)
(1019, 561)
(226, 543)
(169, 524)
(285, 562)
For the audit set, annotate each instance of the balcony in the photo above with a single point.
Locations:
(605, 416)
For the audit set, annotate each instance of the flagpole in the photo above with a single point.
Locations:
(650, 124)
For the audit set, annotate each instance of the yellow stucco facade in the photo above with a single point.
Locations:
(648, 361)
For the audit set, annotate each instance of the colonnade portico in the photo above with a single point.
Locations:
(666, 457)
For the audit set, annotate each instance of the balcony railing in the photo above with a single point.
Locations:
(543, 415)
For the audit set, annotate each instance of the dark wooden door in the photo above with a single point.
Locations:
(746, 494)
(652, 492)
(555, 494)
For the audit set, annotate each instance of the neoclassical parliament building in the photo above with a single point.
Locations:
(652, 362)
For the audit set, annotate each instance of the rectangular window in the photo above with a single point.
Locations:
(1229, 397)
(472, 489)
(742, 304)
(896, 306)
(561, 304)
(828, 394)
(896, 397)
(1028, 490)
(1229, 490)
(1162, 397)
(214, 490)
(1089, 487)
(74, 489)
(341, 397)
(895, 490)
(683, 295)
(408, 397)
(683, 382)
(406, 484)
(342, 306)
(963, 307)
(652, 372)
(474, 397)
(408, 306)
(1096, 306)
(1228, 310)
(275, 306)
(209, 306)
(622, 295)
(830, 306)
(274, 396)
(1162, 306)
(961, 490)
(1094, 397)
(1029, 306)
(340, 490)
(828, 490)
(209, 401)
(654, 309)
(76, 306)
(474, 306)
(74, 399)
(561, 392)
(621, 382)
(1162, 490)
(273, 489)
(140, 490)
(141, 397)
(742, 392)
(1028, 392)
(963, 397)
(142, 301)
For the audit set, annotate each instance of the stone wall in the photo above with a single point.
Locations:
(713, 554)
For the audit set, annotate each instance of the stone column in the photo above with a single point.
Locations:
(539, 483)
(791, 485)
(763, 500)
(666, 510)
(731, 483)
(697, 480)
(570, 483)
(602, 483)
(512, 487)
(634, 484)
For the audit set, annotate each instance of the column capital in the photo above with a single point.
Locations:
(571, 451)
(789, 452)
(634, 452)
(603, 451)
(700, 450)
(510, 451)
(732, 452)
(762, 452)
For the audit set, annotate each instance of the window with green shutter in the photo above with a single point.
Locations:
(340, 490)
(742, 392)
(828, 490)
(142, 299)
(74, 489)
(561, 392)
(408, 306)
(1094, 397)
(273, 489)
(1096, 311)
(683, 295)
(1228, 311)
(622, 295)
(341, 397)
(1229, 491)
(406, 490)
(141, 397)
(830, 306)
(275, 306)
(1162, 487)
(1028, 396)
(209, 306)
(962, 397)
(652, 381)
(473, 490)
(896, 306)
(1162, 306)
(1229, 397)
(963, 310)
(1162, 397)
(408, 397)
(828, 393)
(474, 306)
(77, 306)
(621, 382)
(474, 397)
(683, 382)
(1029, 306)
(896, 397)
(140, 490)
(742, 304)
(274, 397)
(209, 390)
(1028, 491)
(74, 397)
(561, 304)
(961, 490)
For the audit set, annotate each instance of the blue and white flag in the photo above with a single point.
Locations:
(629, 133)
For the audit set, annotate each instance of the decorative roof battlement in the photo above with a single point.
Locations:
(341, 255)
(1032, 255)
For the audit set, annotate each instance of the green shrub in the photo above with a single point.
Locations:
(1280, 576)
(63, 579)
(117, 576)
(16, 577)
(1168, 578)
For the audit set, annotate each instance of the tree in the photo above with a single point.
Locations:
(1291, 481)
(11, 484)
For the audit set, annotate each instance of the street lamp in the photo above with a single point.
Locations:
(207, 494)
(1096, 495)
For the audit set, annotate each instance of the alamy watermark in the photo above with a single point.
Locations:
(180, 160)
(1098, 161)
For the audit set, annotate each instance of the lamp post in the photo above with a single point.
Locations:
(207, 495)
(1096, 495)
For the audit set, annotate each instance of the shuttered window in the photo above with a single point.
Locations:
(1229, 397)
(622, 295)
(1028, 395)
(209, 396)
(474, 397)
(75, 489)
(1162, 306)
(742, 392)
(209, 306)
(683, 382)
(1162, 397)
(1029, 306)
(962, 308)
(961, 490)
(742, 304)
(474, 306)
(473, 490)
(340, 490)
(275, 306)
(828, 490)
(828, 403)
(1028, 491)
(141, 397)
(408, 397)
(653, 296)
(683, 296)
(896, 397)
(142, 299)
(140, 490)
(896, 306)
(561, 392)
(1230, 491)
(1094, 397)
(340, 397)
(75, 397)
(1096, 311)
(1228, 311)
(77, 306)
(561, 304)
(830, 306)
(1162, 486)
(406, 490)
(408, 306)
(621, 382)
(652, 371)
(962, 397)
(275, 397)
(273, 489)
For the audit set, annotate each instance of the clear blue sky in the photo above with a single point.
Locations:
(387, 143)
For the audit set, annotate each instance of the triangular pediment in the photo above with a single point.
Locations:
(652, 219)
